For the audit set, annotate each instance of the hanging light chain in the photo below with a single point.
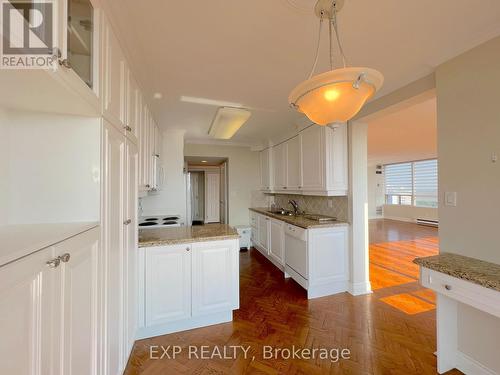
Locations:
(317, 47)
(335, 26)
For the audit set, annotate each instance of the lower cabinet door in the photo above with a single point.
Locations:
(276, 241)
(27, 292)
(168, 284)
(79, 277)
(215, 277)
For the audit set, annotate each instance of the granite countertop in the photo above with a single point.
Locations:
(186, 234)
(300, 221)
(18, 241)
(474, 270)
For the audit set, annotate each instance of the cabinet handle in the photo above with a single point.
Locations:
(127, 128)
(284, 187)
(187, 249)
(148, 186)
(127, 222)
(300, 187)
(447, 287)
(65, 257)
(54, 263)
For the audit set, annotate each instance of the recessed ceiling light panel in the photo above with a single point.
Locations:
(228, 121)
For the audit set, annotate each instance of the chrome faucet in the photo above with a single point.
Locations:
(295, 206)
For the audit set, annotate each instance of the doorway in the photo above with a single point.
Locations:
(403, 200)
(207, 179)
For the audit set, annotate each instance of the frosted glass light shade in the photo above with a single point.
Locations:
(332, 96)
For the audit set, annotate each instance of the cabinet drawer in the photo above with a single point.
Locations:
(296, 232)
(461, 290)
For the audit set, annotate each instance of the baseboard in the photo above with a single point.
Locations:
(184, 325)
(358, 289)
(328, 289)
(405, 219)
(470, 366)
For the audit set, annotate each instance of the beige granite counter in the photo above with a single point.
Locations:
(474, 270)
(180, 235)
(300, 221)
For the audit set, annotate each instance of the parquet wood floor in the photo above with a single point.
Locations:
(382, 339)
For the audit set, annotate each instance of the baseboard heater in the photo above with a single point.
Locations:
(429, 223)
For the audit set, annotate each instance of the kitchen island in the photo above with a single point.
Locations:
(189, 277)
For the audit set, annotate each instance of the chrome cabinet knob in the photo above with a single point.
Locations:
(187, 249)
(65, 257)
(447, 287)
(127, 222)
(127, 128)
(54, 263)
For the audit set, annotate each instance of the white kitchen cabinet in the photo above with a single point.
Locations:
(114, 77)
(215, 277)
(293, 165)
(276, 241)
(49, 314)
(130, 240)
(188, 286)
(263, 223)
(316, 258)
(133, 106)
(27, 316)
(324, 160)
(168, 284)
(279, 162)
(79, 286)
(266, 170)
(113, 249)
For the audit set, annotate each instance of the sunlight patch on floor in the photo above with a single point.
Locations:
(408, 304)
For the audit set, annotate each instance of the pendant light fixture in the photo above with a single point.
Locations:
(339, 94)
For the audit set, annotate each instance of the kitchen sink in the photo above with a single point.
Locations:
(282, 212)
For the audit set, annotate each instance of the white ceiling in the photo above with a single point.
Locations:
(254, 52)
(405, 135)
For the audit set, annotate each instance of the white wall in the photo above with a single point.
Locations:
(171, 199)
(468, 134)
(50, 168)
(409, 213)
(243, 173)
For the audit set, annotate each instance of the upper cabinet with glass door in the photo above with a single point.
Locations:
(70, 36)
(80, 39)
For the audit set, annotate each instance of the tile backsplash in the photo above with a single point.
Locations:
(316, 205)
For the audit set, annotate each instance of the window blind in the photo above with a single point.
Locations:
(398, 179)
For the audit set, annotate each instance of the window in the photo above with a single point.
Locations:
(413, 183)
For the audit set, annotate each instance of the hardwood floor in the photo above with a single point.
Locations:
(391, 331)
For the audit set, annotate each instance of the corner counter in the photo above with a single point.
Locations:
(459, 280)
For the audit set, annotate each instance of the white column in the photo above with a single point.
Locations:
(358, 208)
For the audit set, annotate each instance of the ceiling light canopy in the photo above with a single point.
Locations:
(227, 122)
(339, 94)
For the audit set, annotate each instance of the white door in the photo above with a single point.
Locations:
(276, 240)
(263, 226)
(279, 166)
(293, 165)
(212, 197)
(167, 284)
(197, 195)
(223, 193)
(113, 247)
(78, 283)
(27, 317)
(311, 144)
(130, 247)
(215, 277)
